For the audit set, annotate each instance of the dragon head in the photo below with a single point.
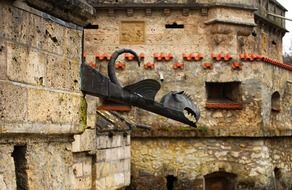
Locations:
(182, 102)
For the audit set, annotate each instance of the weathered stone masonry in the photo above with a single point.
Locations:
(227, 55)
(48, 129)
(41, 107)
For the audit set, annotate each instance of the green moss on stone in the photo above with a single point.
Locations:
(83, 113)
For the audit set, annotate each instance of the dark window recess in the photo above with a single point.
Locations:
(220, 181)
(20, 164)
(275, 104)
(227, 91)
(254, 34)
(174, 26)
(170, 182)
(274, 43)
(277, 173)
(223, 95)
(91, 26)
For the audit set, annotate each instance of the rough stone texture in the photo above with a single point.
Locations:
(113, 161)
(74, 11)
(102, 152)
(252, 160)
(41, 106)
(82, 170)
(56, 158)
(7, 172)
(40, 62)
(85, 141)
(48, 162)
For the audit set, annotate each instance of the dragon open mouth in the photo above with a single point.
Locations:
(190, 114)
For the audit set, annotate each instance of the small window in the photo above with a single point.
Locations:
(170, 182)
(225, 95)
(174, 26)
(20, 164)
(275, 107)
(91, 26)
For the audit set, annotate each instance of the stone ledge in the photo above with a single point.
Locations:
(169, 5)
(38, 128)
(233, 22)
(75, 11)
(207, 133)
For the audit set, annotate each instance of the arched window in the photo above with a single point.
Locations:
(275, 102)
(220, 181)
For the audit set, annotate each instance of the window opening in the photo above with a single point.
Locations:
(91, 26)
(174, 26)
(225, 95)
(170, 182)
(275, 105)
(20, 164)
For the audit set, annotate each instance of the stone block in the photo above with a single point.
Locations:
(102, 142)
(25, 65)
(110, 154)
(3, 66)
(87, 167)
(100, 184)
(62, 73)
(84, 183)
(7, 173)
(127, 152)
(13, 102)
(128, 140)
(54, 38)
(105, 169)
(57, 107)
(120, 152)
(119, 179)
(117, 166)
(76, 143)
(91, 121)
(72, 44)
(100, 155)
(109, 181)
(117, 141)
(87, 140)
(78, 169)
(15, 23)
(127, 178)
(127, 165)
(91, 102)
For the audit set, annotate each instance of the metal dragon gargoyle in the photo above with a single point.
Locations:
(175, 105)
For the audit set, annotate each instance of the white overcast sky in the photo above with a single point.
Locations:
(287, 40)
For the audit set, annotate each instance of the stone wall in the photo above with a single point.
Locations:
(40, 62)
(101, 154)
(113, 161)
(253, 161)
(41, 106)
(101, 160)
(48, 162)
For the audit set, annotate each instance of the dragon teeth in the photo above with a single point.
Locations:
(189, 116)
